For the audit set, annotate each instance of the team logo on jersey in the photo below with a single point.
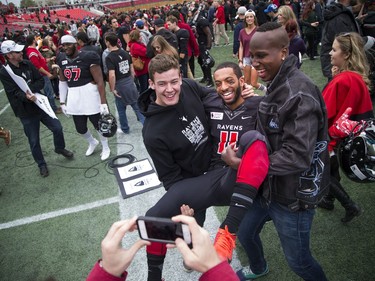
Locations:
(195, 132)
(217, 115)
(64, 62)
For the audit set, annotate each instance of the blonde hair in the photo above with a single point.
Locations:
(352, 45)
(166, 48)
(287, 13)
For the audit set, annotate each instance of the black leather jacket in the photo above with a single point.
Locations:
(293, 118)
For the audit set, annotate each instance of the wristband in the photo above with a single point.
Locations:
(63, 90)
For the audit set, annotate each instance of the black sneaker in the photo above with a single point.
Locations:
(64, 152)
(210, 84)
(203, 80)
(44, 171)
(351, 213)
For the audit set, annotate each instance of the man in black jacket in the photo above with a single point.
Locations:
(167, 35)
(24, 107)
(338, 19)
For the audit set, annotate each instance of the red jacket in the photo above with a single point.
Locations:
(347, 89)
(138, 49)
(222, 271)
(192, 45)
(37, 59)
(220, 15)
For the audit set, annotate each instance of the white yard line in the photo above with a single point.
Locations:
(58, 213)
(5, 108)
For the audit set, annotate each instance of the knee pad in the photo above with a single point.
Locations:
(247, 140)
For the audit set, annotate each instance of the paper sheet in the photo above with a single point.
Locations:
(41, 100)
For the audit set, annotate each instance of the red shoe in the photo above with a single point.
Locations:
(225, 243)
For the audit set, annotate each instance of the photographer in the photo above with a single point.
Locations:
(201, 257)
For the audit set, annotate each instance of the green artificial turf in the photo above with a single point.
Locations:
(66, 247)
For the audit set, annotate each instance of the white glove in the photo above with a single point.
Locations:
(104, 109)
(63, 108)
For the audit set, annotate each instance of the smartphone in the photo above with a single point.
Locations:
(162, 230)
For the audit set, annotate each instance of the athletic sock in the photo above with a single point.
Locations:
(155, 267)
(104, 141)
(88, 136)
(241, 201)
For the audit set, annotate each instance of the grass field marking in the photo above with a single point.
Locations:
(5, 108)
(62, 212)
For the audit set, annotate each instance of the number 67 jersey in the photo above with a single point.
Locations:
(83, 95)
(77, 70)
(226, 125)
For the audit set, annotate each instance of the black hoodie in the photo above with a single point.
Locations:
(177, 137)
(337, 19)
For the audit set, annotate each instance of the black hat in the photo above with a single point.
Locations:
(159, 22)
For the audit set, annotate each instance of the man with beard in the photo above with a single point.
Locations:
(82, 92)
(338, 18)
(179, 152)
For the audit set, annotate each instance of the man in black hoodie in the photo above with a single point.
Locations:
(338, 19)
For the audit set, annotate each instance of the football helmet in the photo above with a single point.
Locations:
(357, 154)
(107, 125)
(207, 59)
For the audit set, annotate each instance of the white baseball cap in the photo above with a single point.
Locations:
(68, 39)
(241, 10)
(10, 46)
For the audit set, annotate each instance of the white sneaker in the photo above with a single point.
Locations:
(92, 147)
(105, 153)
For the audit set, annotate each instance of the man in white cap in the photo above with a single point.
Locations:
(82, 91)
(24, 107)
(236, 34)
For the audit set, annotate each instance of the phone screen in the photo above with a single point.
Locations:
(163, 230)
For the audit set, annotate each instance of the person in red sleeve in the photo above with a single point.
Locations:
(202, 257)
(219, 23)
(139, 50)
(40, 63)
(348, 88)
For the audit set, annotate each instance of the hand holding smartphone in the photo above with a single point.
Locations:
(162, 230)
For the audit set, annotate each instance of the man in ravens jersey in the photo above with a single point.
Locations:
(82, 92)
(173, 134)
